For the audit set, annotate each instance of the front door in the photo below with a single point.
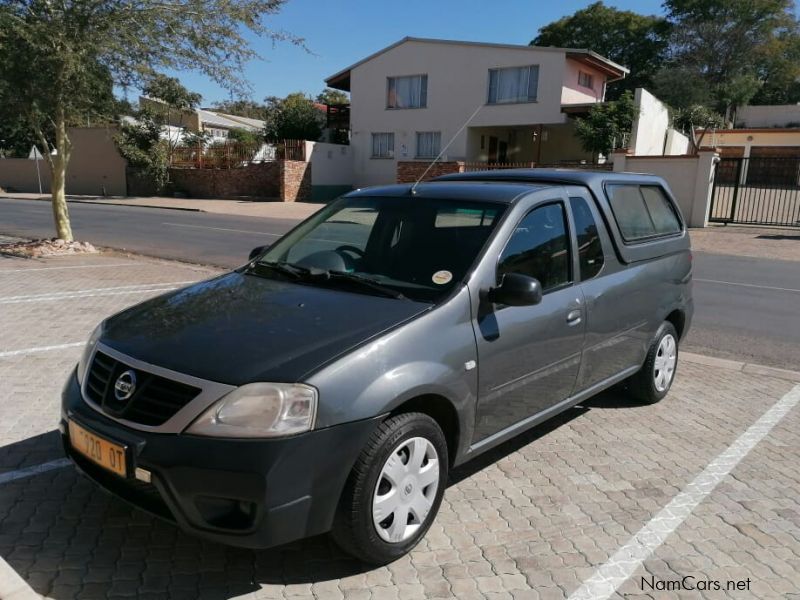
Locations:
(529, 356)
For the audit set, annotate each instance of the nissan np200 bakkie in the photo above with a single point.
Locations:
(331, 382)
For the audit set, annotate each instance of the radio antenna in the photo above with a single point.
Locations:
(443, 150)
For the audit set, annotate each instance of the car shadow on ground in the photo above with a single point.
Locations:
(69, 539)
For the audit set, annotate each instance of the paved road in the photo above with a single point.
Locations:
(746, 308)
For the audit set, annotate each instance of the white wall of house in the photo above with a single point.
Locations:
(458, 76)
(779, 115)
(651, 134)
(677, 143)
(331, 169)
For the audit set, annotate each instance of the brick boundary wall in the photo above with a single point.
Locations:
(256, 181)
(295, 181)
(409, 171)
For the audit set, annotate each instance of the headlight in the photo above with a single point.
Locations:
(260, 410)
(83, 363)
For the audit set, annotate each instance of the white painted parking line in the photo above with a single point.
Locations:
(40, 349)
(91, 293)
(223, 229)
(750, 285)
(4, 271)
(619, 568)
(59, 463)
(14, 587)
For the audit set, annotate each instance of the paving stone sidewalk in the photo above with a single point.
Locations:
(532, 519)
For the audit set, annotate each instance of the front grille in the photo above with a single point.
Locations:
(154, 401)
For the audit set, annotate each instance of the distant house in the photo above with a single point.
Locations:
(767, 131)
(498, 103)
(217, 124)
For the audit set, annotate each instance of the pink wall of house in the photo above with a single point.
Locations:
(574, 93)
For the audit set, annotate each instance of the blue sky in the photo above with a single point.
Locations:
(341, 32)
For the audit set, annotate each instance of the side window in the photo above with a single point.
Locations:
(642, 211)
(590, 249)
(661, 211)
(539, 247)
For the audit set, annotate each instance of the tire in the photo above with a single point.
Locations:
(403, 488)
(654, 380)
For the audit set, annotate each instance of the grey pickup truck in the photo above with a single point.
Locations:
(331, 382)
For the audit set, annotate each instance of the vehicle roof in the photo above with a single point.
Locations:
(548, 176)
(484, 191)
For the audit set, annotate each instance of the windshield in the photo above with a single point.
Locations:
(418, 248)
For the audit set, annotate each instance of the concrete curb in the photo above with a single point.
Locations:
(735, 365)
(113, 203)
(105, 203)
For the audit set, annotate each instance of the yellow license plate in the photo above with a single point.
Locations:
(99, 450)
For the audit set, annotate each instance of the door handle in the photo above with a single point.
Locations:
(574, 317)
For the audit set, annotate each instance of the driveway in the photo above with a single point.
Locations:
(609, 500)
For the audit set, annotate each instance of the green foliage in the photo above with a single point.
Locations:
(141, 145)
(331, 96)
(62, 59)
(292, 118)
(733, 46)
(607, 125)
(170, 91)
(630, 39)
(691, 117)
(244, 136)
(196, 138)
(242, 108)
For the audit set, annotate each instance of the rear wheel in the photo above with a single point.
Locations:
(654, 379)
(394, 490)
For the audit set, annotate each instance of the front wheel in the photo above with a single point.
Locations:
(394, 490)
(655, 378)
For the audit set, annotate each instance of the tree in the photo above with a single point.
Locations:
(245, 136)
(693, 118)
(141, 144)
(292, 118)
(607, 125)
(173, 95)
(63, 58)
(330, 96)
(242, 108)
(733, 46)
(630, 39)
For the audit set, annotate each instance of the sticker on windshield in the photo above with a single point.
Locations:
(442, 277)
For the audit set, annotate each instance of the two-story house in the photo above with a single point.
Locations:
(493, 103)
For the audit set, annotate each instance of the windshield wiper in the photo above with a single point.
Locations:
(367, 282)
(293, 271)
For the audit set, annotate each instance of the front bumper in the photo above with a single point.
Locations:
(249, 493)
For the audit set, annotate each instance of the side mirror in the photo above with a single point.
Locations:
(516, 289)
(257, 250)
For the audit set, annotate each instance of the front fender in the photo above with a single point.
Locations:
(427, 356)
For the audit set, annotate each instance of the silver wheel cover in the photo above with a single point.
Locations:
(666, 359)
(406, 489)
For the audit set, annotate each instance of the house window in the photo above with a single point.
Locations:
(513, 84)
(585, 80)
(407, 92)
(428, 144)
(382, 145)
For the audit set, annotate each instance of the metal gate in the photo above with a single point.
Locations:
(757, 191)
